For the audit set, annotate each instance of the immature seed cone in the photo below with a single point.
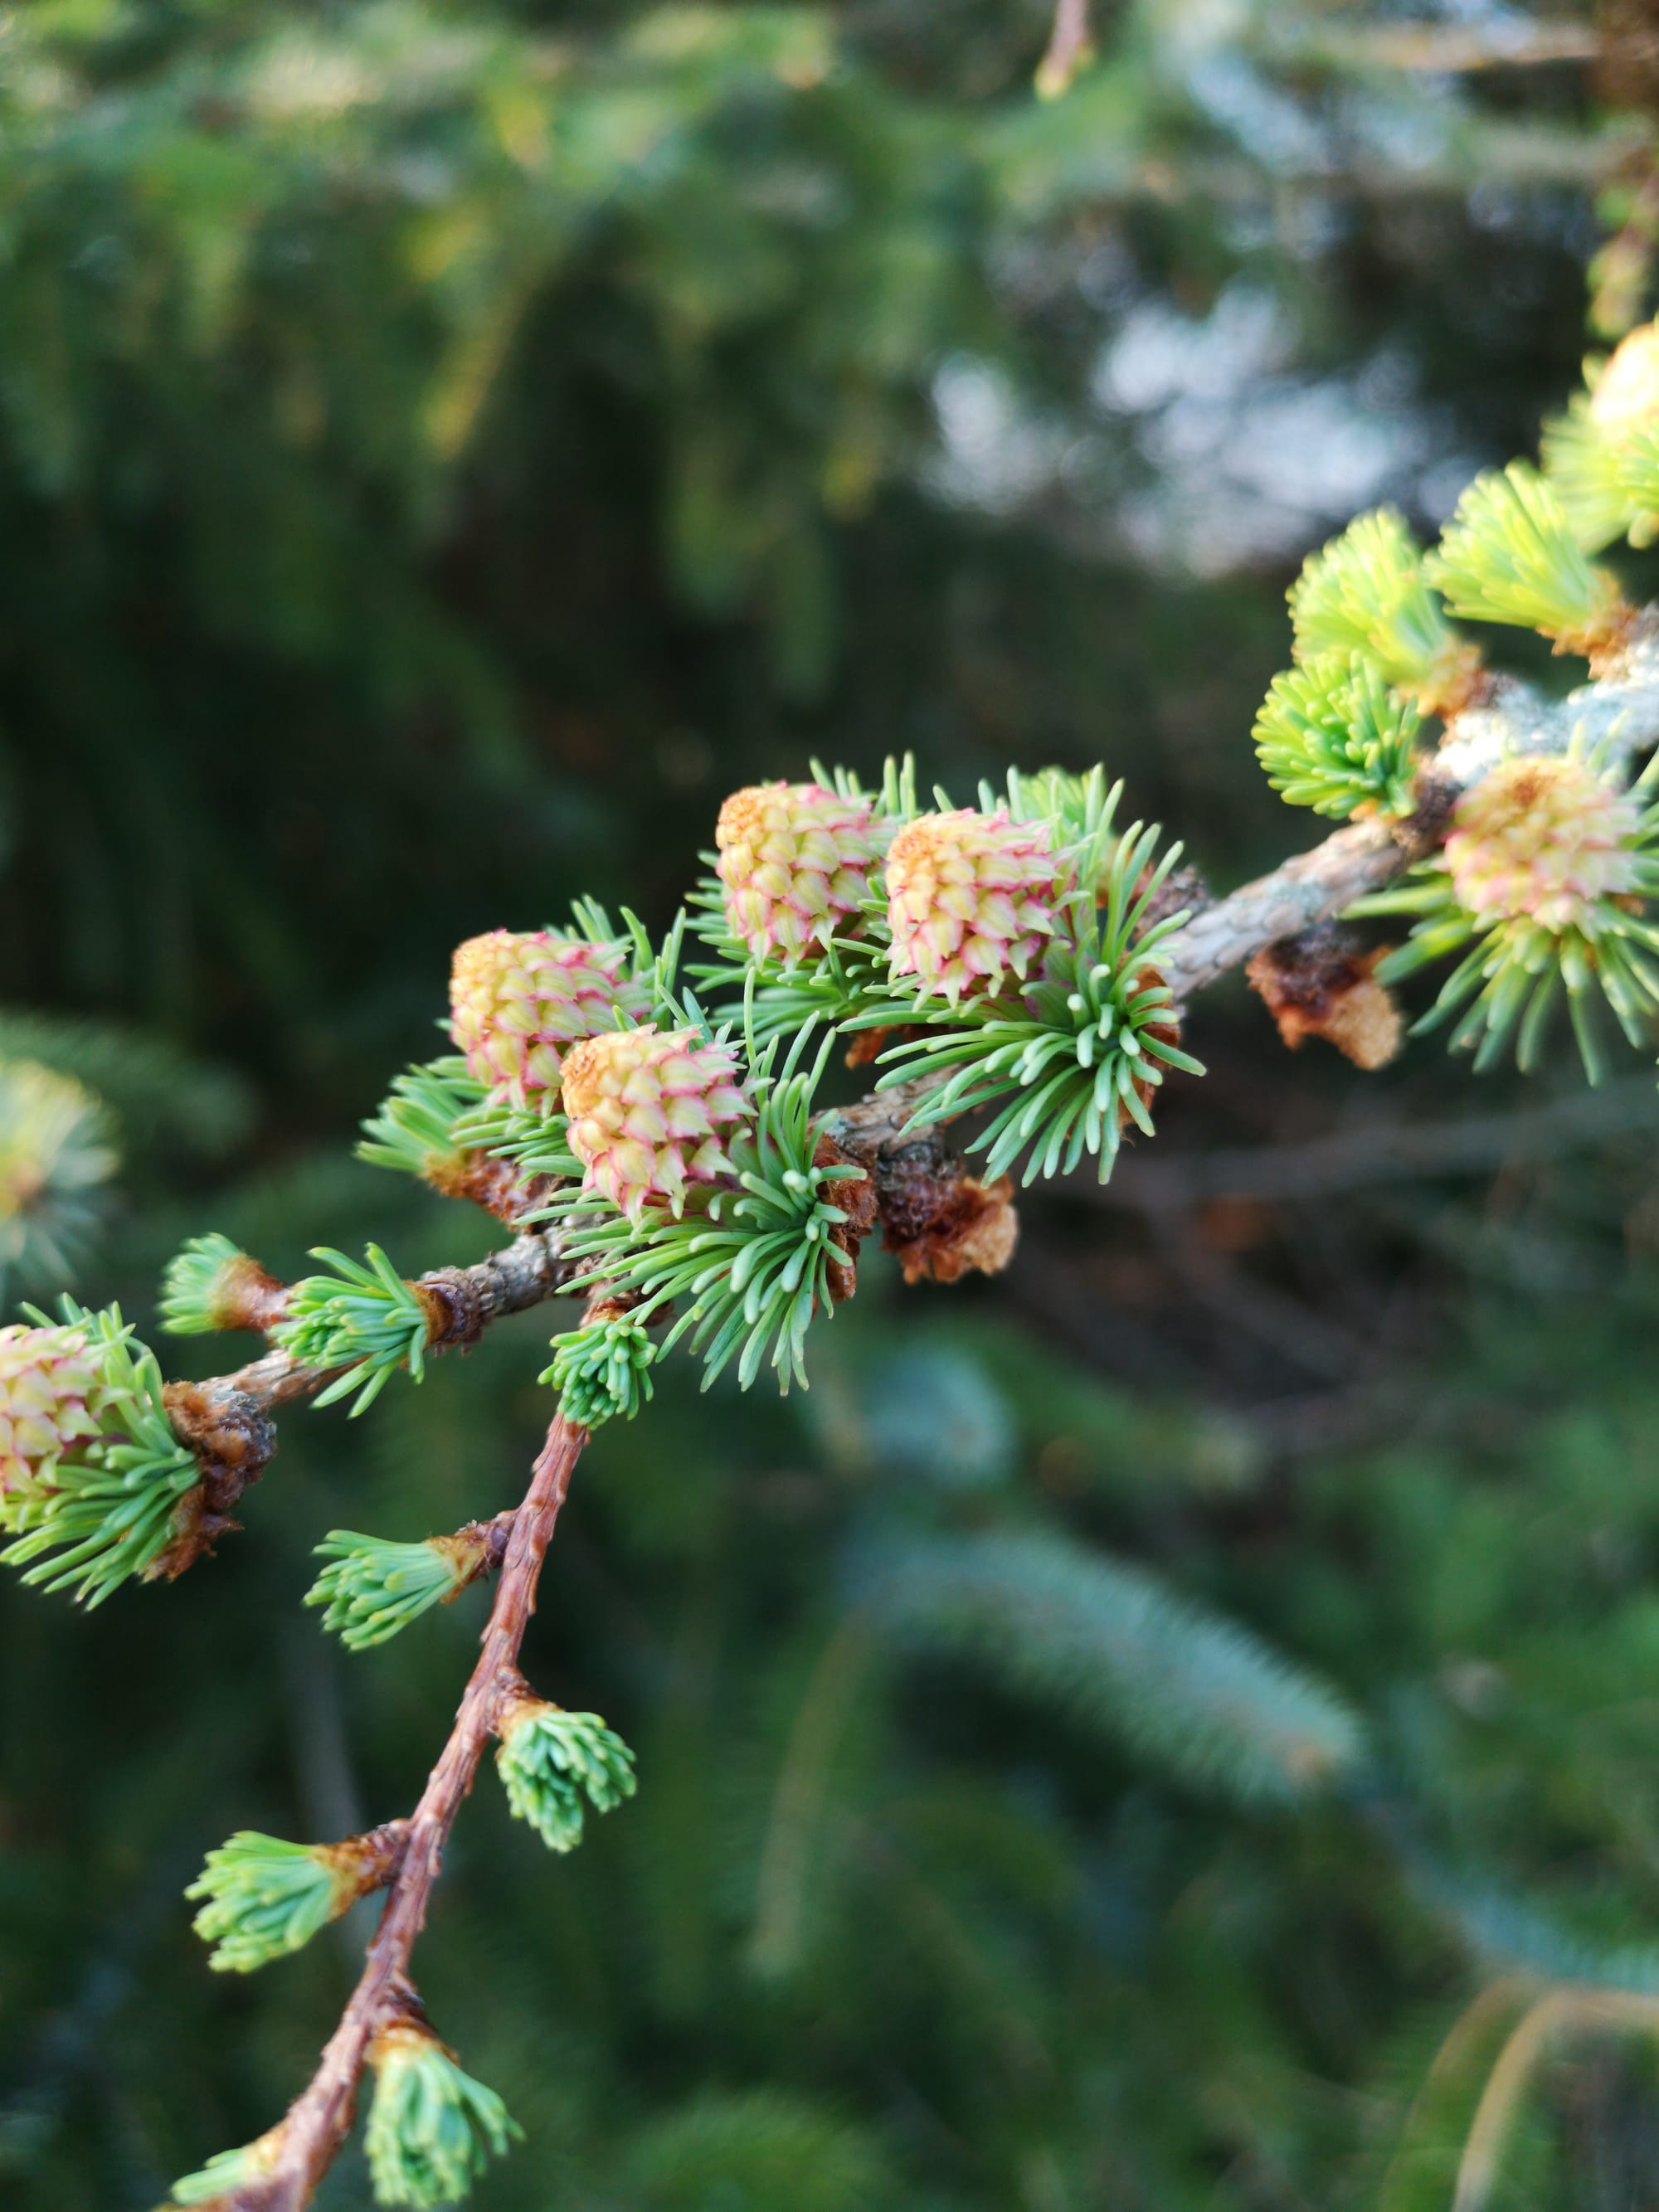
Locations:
(1543, 839)
(648, 1114)
(1626, 394)
(794, 858)
(519, 999)
(52, 1397)
(968, 895)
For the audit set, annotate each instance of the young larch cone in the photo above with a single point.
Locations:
(1543, 839)
(649, 1115)
(1626, 394)
(52, 1397)
(794, 858)
(519, 999)
(968, 895)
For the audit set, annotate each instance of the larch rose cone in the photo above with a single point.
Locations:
(519, 999)
(968, 895)
(52, 1397)
(795, 859)
(649, 1112)
(1543, 839)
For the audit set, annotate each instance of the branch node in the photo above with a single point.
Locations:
(1322, 984)
(938, 1220)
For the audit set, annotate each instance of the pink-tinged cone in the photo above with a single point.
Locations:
(795, 859)
(52, 1398)
(1543, 839)
(649, 1115)
(519, 999)
(969, 895)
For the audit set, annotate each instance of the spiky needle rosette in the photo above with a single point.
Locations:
(414, 1129)
(364, 1319)
(795, 861)
(373, 1587)
(432, 2129)
(519, 999)
(602, 1370)
(1366, 592)
(1623, 415)
(1331, 736)
(1510, 555)
(651, 1113)
(92, 1480)
(553, 1763)
(55, 1155)
(211, 1285)
(1602, 457)
(265, 1897)
(1540, 886)
(970, 897)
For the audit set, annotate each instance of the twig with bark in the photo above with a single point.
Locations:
(301, 2150)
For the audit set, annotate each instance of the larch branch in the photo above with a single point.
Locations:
(309, 2138)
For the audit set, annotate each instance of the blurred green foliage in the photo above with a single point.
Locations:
(1097, 1747)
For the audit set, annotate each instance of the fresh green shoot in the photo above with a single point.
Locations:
(553, 1763)
(1366, 592)
(1510, 555)
(1331, 736)
(373, 1588)
(602, 1370)
(432, 2129)
(266, 1898)
(367, 1320)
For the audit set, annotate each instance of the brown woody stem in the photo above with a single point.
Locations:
(319, 2120)
(226, 1420)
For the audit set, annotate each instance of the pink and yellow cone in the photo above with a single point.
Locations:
(1543, 839)
(52, 1397)
(795, 858)
(968, 895)
(649, 1114)
(519, 999)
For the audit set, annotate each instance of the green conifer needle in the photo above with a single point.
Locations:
(367, 1320)
(373, 1588)
(1510, 555)
(549, 1760)
(197, 1285)
(602, 1370)
(266, 1898)
(1366, 592)
(1331, 736)
(227, 2171)
(432, 2129)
